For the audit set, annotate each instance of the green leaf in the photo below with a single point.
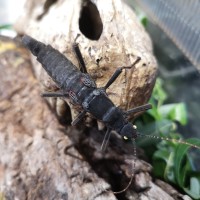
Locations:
(180, 153)
(162, 155)
(176, 112)
(154, 112)
(195, 182)
(144, 21)
(154, 128)
(159, 168)
(6, 26)
(171, 160)
(158, 92)
(194, 190)
(163, 164)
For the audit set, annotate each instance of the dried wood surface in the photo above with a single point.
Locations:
(40, 159)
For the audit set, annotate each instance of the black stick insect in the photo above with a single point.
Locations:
(81, 89)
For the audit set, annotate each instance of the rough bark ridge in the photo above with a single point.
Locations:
(38, 156)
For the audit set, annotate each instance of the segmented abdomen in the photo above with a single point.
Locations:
(57, 66)
(66, 75)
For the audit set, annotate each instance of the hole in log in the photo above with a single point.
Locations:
(90, 23)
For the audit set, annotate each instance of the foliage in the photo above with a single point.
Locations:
(6, 26)
(171, 159)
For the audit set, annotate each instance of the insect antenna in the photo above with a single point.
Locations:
(150, 137)
(132, 171)
(168, 139)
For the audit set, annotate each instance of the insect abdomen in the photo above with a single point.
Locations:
(55, 64)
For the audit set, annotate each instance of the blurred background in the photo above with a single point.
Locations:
(9, 12)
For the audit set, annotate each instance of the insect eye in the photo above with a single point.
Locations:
(134, 126)
(125, 138)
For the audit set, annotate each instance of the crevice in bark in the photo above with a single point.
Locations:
(90, 23)
(106, 166)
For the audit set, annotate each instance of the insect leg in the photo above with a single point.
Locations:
(79, 58)
(105, 140)
(78, 118)
(139, 109)
(54, 94)
(118, 72)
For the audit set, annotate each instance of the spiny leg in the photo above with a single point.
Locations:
(78, 118)
(79, 58)
(66, 151)
(139, 109)
(118, 72)
(106, 140)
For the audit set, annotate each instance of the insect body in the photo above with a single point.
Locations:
(81, 88)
